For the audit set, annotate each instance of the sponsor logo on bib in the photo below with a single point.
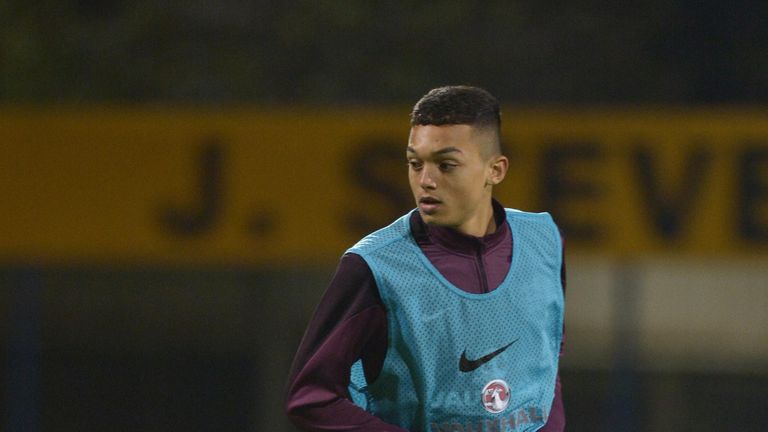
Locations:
(496, 396)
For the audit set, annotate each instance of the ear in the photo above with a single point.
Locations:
(497, 170)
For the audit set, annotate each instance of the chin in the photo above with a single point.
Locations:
(428, 219)
(433, 219)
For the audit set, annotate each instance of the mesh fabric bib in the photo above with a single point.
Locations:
(462, 361)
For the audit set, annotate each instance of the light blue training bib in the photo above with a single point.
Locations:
(466, 362)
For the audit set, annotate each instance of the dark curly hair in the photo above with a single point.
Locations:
(454, 105)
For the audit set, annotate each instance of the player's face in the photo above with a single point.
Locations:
(451, 177)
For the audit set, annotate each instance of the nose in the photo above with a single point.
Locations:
(426, 181)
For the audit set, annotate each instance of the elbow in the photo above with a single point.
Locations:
(291, 407)
(293, 411)
(297, 409)
(301, 416)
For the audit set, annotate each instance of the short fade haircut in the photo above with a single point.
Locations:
(457, 105)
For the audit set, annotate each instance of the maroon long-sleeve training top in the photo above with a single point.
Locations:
(350, 322)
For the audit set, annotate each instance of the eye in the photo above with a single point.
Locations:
(415, 164)
(447, 166)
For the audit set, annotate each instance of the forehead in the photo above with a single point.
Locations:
(428, 139)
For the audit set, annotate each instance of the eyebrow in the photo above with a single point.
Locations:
(438, 152)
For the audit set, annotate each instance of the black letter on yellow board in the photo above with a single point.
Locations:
(560, 159)
(671, 208)
(753, 194)
(378, 167)
(201, 217)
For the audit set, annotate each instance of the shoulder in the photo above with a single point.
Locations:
(397, 231)
(520, 214)
(539, 225)
(353, 284)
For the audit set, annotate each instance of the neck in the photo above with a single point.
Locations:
(481, 224)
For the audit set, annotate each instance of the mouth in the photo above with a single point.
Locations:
(429, 205)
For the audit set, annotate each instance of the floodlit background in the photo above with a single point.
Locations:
(178, 181)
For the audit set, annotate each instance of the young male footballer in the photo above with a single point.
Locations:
(450, 318)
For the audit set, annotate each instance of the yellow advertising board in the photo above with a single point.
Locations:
(267, 186)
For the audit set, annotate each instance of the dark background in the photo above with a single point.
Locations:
(332, 52)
